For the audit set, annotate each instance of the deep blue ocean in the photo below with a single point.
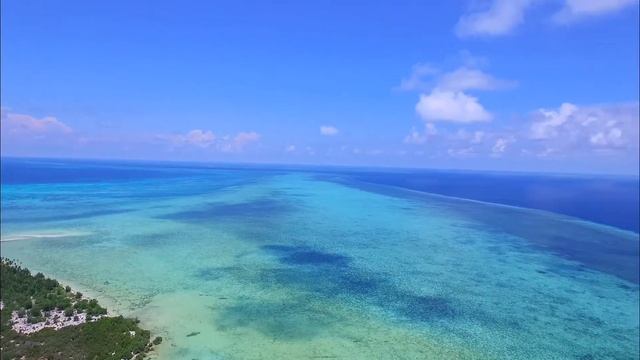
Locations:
(609, 200)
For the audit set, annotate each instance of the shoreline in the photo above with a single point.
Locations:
(113, 309)
(108, 301)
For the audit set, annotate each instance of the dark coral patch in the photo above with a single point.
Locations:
(315, 258)
(426, 308)
(289, 321)
(259, 209)
(330, 275)
(364, 289)
(301, 255)
(214, 273)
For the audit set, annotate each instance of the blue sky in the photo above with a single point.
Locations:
(535, 85)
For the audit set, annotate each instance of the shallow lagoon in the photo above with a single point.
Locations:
(256, 263)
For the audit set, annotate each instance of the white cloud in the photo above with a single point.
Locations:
(430, 129)
(499, 18)
(416, 80)
(446, 99)
(464, 143)
(566, 132)
(454, 106)
(207, 139)
(500, 146)
(425, 77)
(196, 137)
(200, 138)
(461, 152)
(244, 138)
(611, 127)
(613, 137)
(465, 78)
(238, 142)
(551, 120)
(28, 126)
(328, 130)
(290, 148)
(577, 9)
(25, 135)
(415, 137)
(478, 137)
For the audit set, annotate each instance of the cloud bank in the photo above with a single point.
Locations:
(579, 9)
(206, 139)
(26, 126)
(499, 18)
(502, 17)
(26, 135)
(592, 130)
(22, 134)
(600, 128)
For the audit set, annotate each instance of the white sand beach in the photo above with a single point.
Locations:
(45, 235)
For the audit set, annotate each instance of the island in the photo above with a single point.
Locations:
(42, 319)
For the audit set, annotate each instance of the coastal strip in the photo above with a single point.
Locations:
(39, 318)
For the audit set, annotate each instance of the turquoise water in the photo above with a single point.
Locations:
(262, 264)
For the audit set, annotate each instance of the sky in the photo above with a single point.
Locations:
(523, 85)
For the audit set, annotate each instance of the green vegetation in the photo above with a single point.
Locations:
(90, 307)
(22, 291)
(32, 296)
(107, 338)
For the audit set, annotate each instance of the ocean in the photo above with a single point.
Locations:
(264, 262)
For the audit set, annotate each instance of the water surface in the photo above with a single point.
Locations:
(263, 263)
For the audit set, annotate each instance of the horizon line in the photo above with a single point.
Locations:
(357, 166)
